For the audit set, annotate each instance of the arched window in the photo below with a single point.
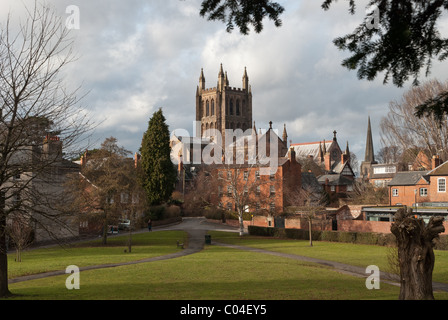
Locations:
(213, 108)
(207, 109)
(237, 107)
(231, 108)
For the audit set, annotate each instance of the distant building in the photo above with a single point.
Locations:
(337, 176)
(369, 157)
(415, 188)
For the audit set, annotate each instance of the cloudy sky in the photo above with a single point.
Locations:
(136, 56)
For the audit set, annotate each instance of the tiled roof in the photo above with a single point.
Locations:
(407, 178)
(441, 170)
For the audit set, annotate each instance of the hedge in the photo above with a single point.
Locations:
(373, 238)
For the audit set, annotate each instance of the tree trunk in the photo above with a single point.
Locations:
(240, 218)
(310, 226)
(415, 253)
(4, 290)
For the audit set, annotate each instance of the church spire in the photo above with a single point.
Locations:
(369, 155)
(285, 135)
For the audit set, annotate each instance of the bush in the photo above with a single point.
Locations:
(156, 212)
(329, 236)
(371, 238)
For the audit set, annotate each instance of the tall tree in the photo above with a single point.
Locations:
(34, 103)
(158, 172)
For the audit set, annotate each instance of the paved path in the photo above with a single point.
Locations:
(197, 228)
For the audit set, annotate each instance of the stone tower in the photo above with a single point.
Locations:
(223, 107)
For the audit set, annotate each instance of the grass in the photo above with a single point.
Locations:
(216, 273)
(144, 245)
(352, 254)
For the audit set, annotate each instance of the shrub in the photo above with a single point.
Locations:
(329, 236)
(348, 237)
(156, 212)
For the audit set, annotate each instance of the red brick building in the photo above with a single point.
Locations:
(419, 187)
(250, 186)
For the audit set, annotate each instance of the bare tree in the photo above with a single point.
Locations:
(106, 185)
(415, 253)
(308, 203)
(34, 104)
(403, 129)
(20, 232)
(247, 189)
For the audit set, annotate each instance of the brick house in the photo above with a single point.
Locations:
(419, 187)
(263, 192)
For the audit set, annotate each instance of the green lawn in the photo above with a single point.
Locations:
(216, 273)
(144, 245)
(352, 254)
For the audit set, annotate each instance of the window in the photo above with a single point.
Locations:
(395, 192)
(246, 175)
(257, 175)
(423, 192)
(258, 190)
(441, 185)
(272, 190)
(229, 191)
(124, 197)
(272, 206)
(213, 108)
(237, 107)
(207, 112)
(231, 107)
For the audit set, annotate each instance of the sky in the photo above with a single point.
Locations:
(137, 56)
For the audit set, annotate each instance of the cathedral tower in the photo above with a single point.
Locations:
(223, 107)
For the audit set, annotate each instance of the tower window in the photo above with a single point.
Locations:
(207, 109)
(213, 108)
(231, 107)
(237, 107)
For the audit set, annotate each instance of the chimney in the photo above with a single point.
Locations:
(292, 154)
(435, 162)
(136, 159)
(327, 161)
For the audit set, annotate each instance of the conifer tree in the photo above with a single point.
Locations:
(158, 172)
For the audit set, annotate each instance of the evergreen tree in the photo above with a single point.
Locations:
(158, 172)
